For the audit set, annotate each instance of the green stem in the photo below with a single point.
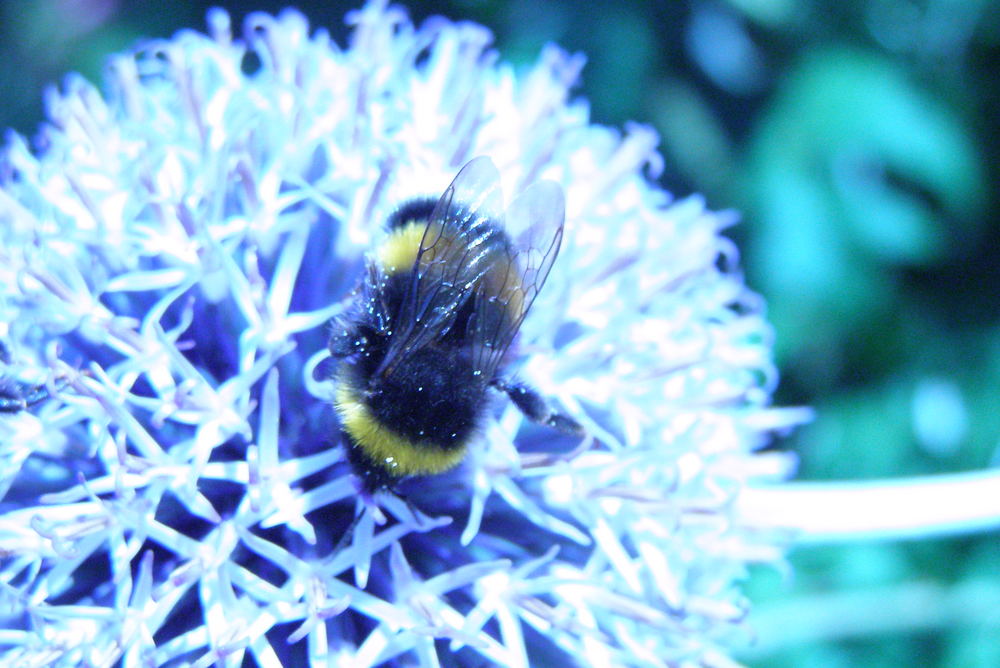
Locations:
(832, 512)
(905, 608)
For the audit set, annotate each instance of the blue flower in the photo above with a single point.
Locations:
(168, 260)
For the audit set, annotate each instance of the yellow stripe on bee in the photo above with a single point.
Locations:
(399, 250)
(398, 455)
(504, 282)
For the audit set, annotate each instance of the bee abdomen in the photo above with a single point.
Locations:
(419, 422)
(432, 399)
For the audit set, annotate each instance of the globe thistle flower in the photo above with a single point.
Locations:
(169, 256)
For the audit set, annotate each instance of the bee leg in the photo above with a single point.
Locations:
(417, 519)
(15, 397)
(537, 409)
(341, 342)
(347, 339)
(348, 534)
(11, 401)
(325, 369)
(366, 504)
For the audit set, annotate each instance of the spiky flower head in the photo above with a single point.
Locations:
(169, 255)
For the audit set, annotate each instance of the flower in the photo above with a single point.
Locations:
(168, 258)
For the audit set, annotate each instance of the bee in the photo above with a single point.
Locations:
(417, 356)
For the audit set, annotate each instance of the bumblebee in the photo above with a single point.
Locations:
(425, 342)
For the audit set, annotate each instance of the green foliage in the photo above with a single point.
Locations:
(854, 175)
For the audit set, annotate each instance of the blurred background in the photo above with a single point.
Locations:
(860, 140)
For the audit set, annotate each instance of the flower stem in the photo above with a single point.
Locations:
(920, 507)
(907, 607)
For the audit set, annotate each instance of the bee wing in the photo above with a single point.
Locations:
(520, 272)
(457, 249)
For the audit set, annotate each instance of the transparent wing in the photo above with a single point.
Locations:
(504, 299)
(457, 249)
